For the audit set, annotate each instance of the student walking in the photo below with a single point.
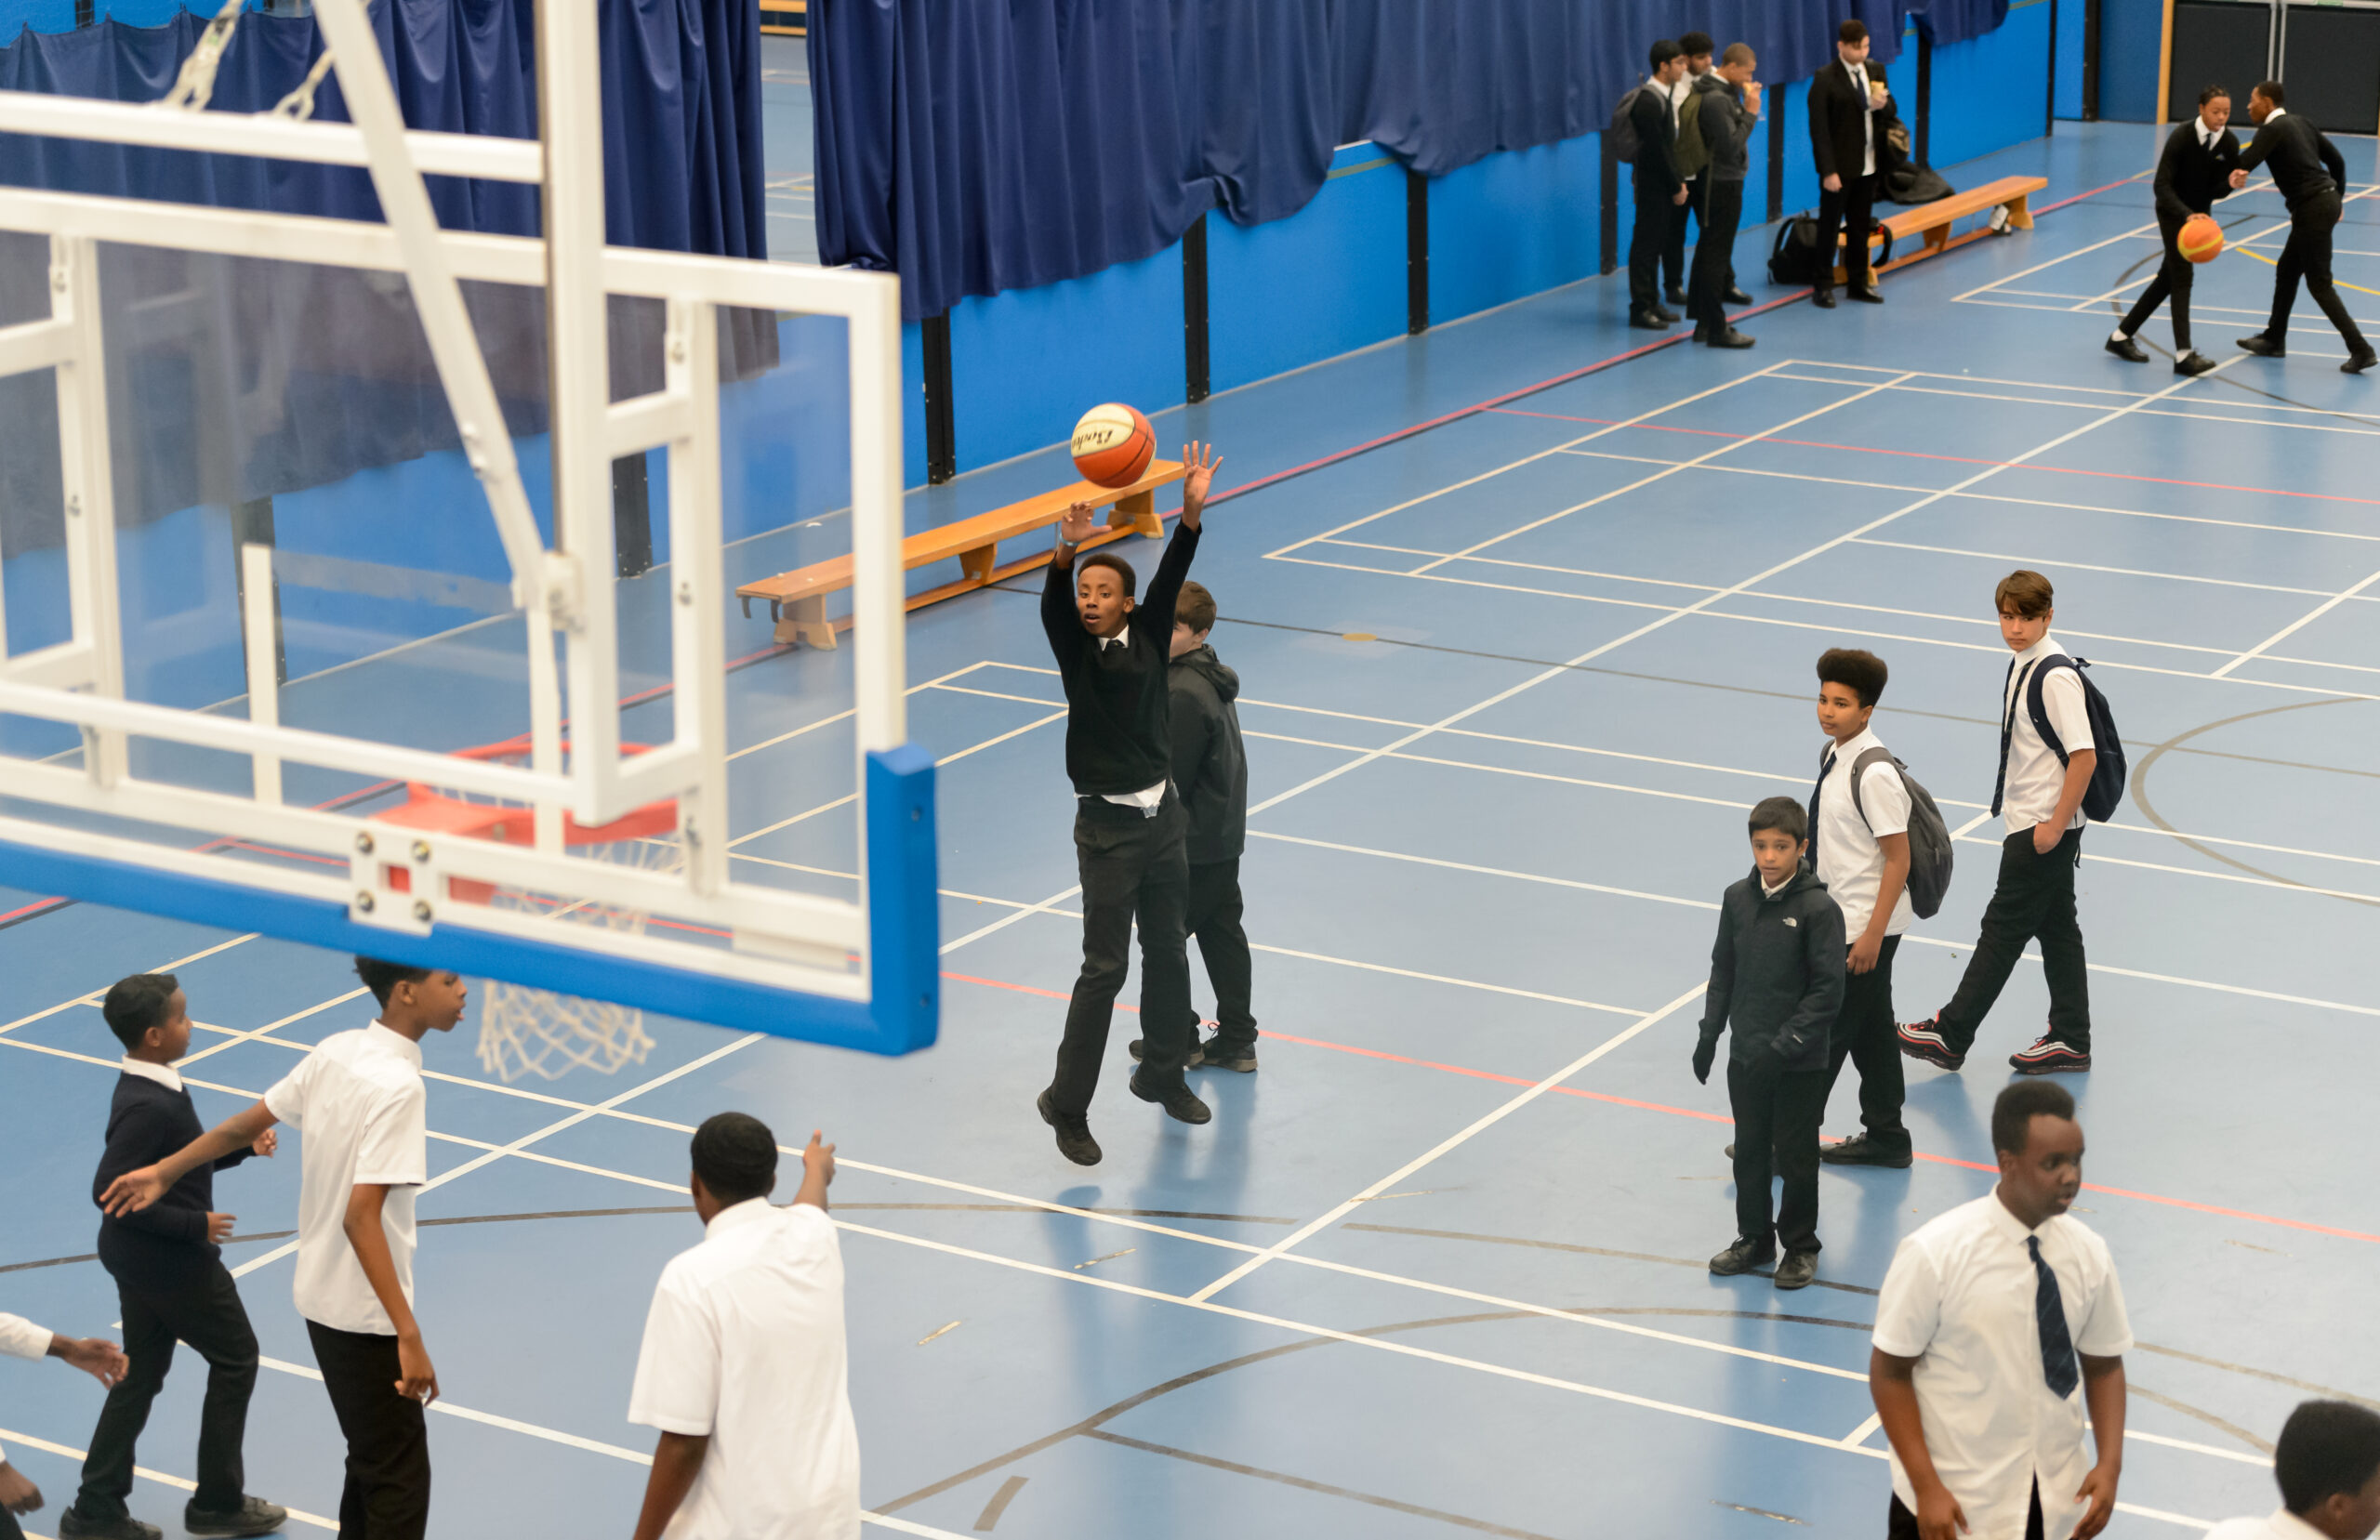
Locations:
(1777, 980)
(1859, 848)
(1128, 822)
(96, 1357)
(2311, 174)
(2194, 171)
(171, 1284)
(2040, 801)
(744, 1368)
(358, 1098)
(2328, 1466)
(1660, 191)
(1850, 110)
(1726, 109)
(2001, 1325)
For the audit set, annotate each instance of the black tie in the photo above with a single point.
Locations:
(1825, 765)
(2049, 1314)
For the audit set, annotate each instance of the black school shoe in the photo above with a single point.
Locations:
(1823, 296)
(1181, 1103)
(1675, 296)
(2264, 346)
(73, 1526)
(1859, 1149)
(1734, 294)
(254, 1516)
(2193, 362)
(1216, 1054)
(1647, 320)
(1743, 1256)
(2125, 348)
(1074, 1133)
(1730, 337)
(1190, 1063)
(1867, 294)
(2357, 363)
(2048, 1055)
(1798, 1268)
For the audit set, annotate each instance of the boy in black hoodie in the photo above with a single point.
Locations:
(1777, 977)
(167, 1264)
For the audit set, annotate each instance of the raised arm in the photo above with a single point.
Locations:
(1154, 612)
(1059, 619)
(137, 1189)
(817, 1172)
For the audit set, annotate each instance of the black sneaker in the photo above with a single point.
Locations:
(1181, 1103)
(1216, 1054)
(2048, 1055)
(1743, 1256)
(254, 1516)
(73, 1526)
(1923, 1040)
(1189, 1063)
(1797, 1270)
(1860, 1150)
(1074, 1133)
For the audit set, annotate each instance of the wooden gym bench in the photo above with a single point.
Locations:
(797, 599)
(1934, 221)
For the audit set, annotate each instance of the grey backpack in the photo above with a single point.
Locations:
(1929, 837)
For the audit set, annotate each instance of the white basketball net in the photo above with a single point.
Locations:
(538, 1032)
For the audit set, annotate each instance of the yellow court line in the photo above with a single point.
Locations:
(2272, 263)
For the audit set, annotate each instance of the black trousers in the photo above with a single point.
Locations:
(2172, 283)
(1723, 210)
(206, 1314)
(1655, 213)
(1214, 919)
(2308, 256)
(1902, 1524)
(1850, 211)
(1674, 268)
(1132, 868)
(1868, 1034)
(1777, 1110)
(8, 1529)
(387, 1495)
(2034, 901)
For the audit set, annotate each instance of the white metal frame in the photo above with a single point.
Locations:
(782, 940)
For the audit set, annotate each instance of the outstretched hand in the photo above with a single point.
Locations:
(96, 1356)
(1078, 523)
(1200, 461)
(133, 1192)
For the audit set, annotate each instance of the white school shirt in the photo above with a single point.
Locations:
(745, 1344)
(1149, 798)
(2035, 778)
(21, 1339)
(2280, 1524)
(359, 1101)
(1867, 119)
(1851, 858)
(163, 1074)
(1958, 1299)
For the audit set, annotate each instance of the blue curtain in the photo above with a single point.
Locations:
(1000, 144)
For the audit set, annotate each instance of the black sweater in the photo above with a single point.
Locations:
(2304, 164)
(163, 1246)
(1210, 764)
(2189, 177)
(1656, 140)
(1118, 724)
(1777, 973)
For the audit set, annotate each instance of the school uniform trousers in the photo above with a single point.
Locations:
(1901, 1524)
(2033, 900)
(1657, 182)
(203, 1309)
(2310, 172)
(1776, 1114)
(1214, 919)
(1866, 1034)
(387, 1493)
(1133, 870)
(2191, 173)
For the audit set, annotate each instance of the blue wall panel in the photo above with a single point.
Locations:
(1025, 364)
(1515, 224)
(2069, 99)
(2132, 39)
(1789, 112)
(1326, 281)
(1988, 92)
(913, 405)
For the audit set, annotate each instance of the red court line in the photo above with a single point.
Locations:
(2076, 198)
(1702, 1116)
(1954, 459)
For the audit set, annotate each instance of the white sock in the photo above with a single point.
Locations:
(2119, 335)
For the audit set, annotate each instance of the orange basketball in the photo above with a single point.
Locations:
(1113, 444)
(2201, 240)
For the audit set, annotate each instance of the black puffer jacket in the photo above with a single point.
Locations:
(1777, 973)
(1210, 767)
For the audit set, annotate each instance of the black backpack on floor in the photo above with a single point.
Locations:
(1795, 260)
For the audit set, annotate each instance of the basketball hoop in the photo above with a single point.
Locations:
(538, 1032)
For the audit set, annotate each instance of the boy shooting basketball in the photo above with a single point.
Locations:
(1129, 821)
(359, 1100)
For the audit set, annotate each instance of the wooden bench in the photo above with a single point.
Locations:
(1934, 221)
(797, 599)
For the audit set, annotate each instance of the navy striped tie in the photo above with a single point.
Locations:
(2049, 1314)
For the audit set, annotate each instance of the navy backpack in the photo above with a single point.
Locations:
(2106, 790)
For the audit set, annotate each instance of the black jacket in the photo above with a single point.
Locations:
(1117, 735)
(2305, 163)
(1726, 125)
(2189, 177)
(163, 1246)
(1655, 141)
(1210, 767)
(1837, 141)
(1777, 973)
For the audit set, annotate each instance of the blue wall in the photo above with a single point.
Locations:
(1991, 92)
(1350, 240)
(1516, 224)
(2068, 102)
(2132, 41)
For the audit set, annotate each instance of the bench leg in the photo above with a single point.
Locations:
(2020, 215)
(805, 621)
(1137, 512)
(978, 563)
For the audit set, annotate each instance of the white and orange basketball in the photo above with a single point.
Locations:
(2200, 239)
(1113, 444)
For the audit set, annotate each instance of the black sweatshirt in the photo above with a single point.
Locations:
(2190, 176)
(165, 1247)
(1210, 763)
(2305, 163)
(1777, 973)
(1118, 722)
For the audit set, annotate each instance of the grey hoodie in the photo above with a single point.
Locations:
(1210, 768)
(1777, 973)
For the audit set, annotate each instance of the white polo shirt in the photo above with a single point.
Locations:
(359, 1101)
(2281, 1525)
(1958, 1299)
(2035, 778)
(1851, 858)
(745, 1344)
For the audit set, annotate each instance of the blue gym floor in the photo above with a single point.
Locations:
(1511, 683)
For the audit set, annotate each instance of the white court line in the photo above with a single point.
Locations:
(849, 797)
(1480, 1125)
(97, 995)
(846, 715)
(1859, 1435)
(2093, 567)
(2300, 623)
(179, 1484)
(2137, 232)
(236, 1038)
